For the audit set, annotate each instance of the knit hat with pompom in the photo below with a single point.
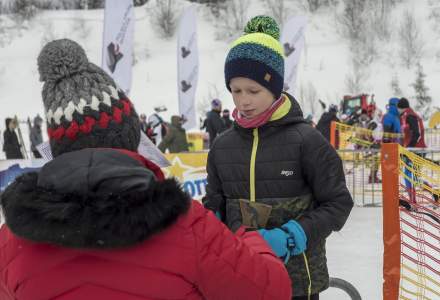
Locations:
(84, 108)
(258, 55)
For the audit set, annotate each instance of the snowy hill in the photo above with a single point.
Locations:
(324, 66)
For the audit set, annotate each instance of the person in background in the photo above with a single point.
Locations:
(158, 128)
(326, 120)
(100, 221)
(413, 131)
(309, 120)
(36, 136)
(411, 125)
(175, 139)
(147, 129)
(271, 166)
(226, 119)
(214, 124)
(11, 146)
(144, 124)
(391, 121)
(376, 127)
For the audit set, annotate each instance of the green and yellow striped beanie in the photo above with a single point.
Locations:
(258, 55)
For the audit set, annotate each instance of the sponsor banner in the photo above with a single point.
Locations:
(292, 40)
(117, 48)
(188, 66)
(190, 170)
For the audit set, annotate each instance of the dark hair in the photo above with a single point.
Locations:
(7, 122)
(403, 103)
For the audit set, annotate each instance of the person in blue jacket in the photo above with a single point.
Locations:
(391, 120)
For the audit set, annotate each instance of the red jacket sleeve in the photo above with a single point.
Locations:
(236, 266)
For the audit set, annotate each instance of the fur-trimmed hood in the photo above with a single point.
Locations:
(92, 198)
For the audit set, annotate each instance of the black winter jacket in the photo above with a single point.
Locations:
(11, 146)
(324, 123)
(296, 171)
(214, 125)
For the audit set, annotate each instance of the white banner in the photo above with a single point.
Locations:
(187, 66)
(117, 48)
(292, 40)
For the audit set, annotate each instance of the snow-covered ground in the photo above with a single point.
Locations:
(356, 254)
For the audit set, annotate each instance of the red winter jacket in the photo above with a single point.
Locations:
(413, 129)
(95, 224)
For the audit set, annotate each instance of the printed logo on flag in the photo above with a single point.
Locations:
(113, 56)
(187, 66)
(288, 49)
(186, 85)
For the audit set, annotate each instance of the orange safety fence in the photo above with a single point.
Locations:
(411, 225)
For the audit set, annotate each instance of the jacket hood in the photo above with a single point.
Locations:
(92, 198)
(392, 106)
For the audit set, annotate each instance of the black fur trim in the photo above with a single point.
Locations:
(113, 221)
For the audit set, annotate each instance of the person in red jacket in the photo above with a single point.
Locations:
(413, 137)
(99, 221)
(411, 126)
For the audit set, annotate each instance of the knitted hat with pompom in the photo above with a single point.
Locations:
(84, 108)
(258, 55)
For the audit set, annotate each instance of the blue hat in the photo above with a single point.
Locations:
(258, 55)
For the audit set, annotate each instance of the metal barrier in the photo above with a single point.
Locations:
(362, 169)
(432, 137)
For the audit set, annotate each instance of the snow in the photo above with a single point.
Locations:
(355, 253)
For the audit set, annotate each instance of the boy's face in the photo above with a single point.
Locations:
(250, 98)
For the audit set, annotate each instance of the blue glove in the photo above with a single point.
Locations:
(297, 236)
(277, 239)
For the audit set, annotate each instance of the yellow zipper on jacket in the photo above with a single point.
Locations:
(252, 165)
(309, 288)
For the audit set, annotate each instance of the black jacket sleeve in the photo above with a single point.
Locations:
(323, 171)
(214, 199)
(414, 128)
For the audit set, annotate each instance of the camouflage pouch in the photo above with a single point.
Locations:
(254, 215)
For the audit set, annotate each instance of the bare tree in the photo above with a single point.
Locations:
(6, 6)
(6, 34)
(314, 5)
(364, 49)
(309, 95)
(356, 79)
(424, 100)
(164, 17)
(410, 38)
(395, 86)
(232, 18)
(278, 10)
(353, 19)
(380, 18)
